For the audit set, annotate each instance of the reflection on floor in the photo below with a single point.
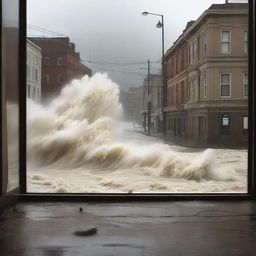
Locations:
(150, 228)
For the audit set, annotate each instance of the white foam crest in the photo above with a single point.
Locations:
(78, 128)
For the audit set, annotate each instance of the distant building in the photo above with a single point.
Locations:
(60, 64)
(207, 79)
(154, 97)
(132, 102)
(34, 70)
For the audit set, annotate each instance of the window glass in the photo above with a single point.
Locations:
(245, 122)
(225, 41)
(246, 85)
(122, 112)
(225, 121)
(225, 84)
(246, 42)
(59, 61)
(10, 81)
(205, 84)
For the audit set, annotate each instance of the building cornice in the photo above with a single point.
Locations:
(218, 103)
(36, 46)
(201, 20)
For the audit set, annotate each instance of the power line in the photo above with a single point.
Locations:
(125, 72)
(118, 63)
(45, 30)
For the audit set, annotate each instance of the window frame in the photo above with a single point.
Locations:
(245, 73)
(205, 85)
(59, 61)
(246, 42)
(229, 42)
(47, 61)
(230, 78)
(251, 194)
(225, 128)
(244, 129)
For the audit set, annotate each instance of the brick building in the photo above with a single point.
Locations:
(208, 86)
(60, 64)
(177, 86)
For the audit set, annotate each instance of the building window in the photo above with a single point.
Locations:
(245, 41)
(193, 93)
(36, 74)
(189, 90)
(190, 54)
(60, 78)
(225, 85)
(205, 84)
(245, 122)
(225, 120)
(205, 43)
(182, 60)
(47, 60)
(182, 93)
(194, 52)
(59, 61)
(225, 124)
(33, 74)
(197, 48)
(175, 65)
(225, 42)
(245, 82)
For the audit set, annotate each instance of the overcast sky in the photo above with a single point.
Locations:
(114, 31)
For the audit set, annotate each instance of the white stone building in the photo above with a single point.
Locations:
(34, 71)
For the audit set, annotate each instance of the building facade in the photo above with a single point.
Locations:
(177, 87)
(60, 64)
(213, 110)
(132, 103)
(34, 71)
(152, 103)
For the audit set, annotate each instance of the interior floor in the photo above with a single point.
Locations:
(135, 228)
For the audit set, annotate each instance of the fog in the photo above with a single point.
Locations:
(114, 31)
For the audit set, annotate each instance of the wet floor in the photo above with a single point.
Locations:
(165, 228)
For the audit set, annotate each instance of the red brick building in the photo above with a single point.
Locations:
(176, 60)
(60, 64)
(207, 79)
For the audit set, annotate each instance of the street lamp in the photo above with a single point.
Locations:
(160, 24)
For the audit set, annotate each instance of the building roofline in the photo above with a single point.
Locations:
(36, 46)
(85, 66)
(45, 38)
(213, 10)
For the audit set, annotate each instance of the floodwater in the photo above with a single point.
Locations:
(77, 144)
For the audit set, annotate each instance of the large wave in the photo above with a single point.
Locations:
(78, 129)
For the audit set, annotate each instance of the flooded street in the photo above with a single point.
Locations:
(141, 180)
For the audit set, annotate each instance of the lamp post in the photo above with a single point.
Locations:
(149, 99)
(160, 24)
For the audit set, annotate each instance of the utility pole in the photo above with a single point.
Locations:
(149, 99)
(144, 108)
